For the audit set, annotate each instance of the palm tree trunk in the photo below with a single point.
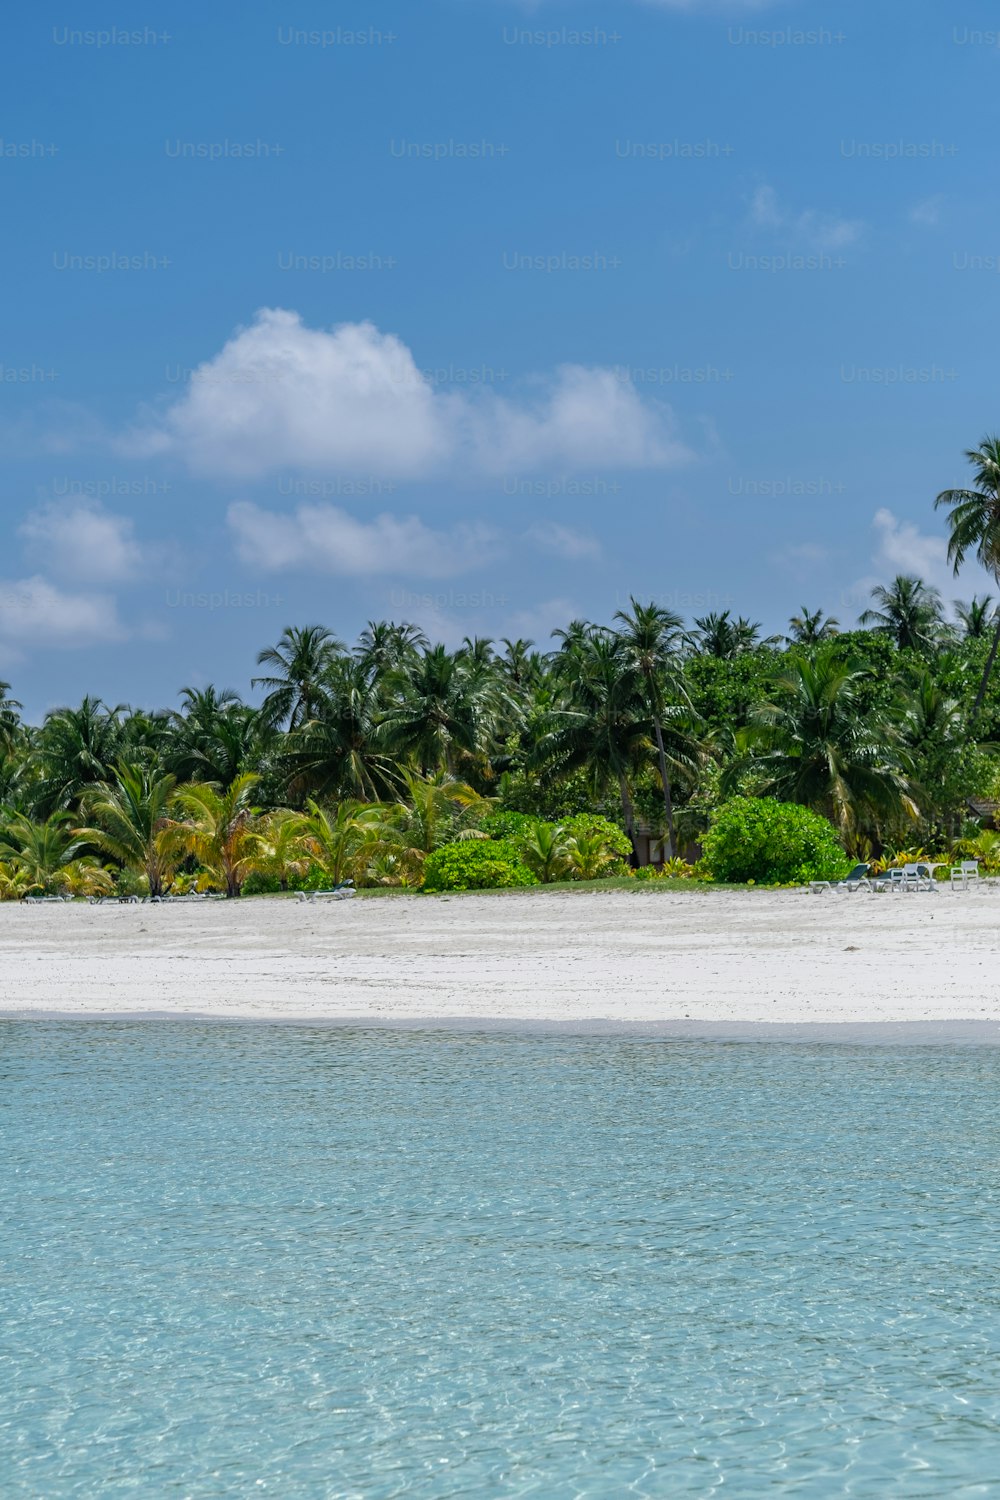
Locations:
(985, 682)
(668, 801)
(629, 817)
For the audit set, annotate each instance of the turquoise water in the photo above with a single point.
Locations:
(265, 1260)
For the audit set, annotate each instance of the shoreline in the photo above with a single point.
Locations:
(948, 1033)
(637, 961)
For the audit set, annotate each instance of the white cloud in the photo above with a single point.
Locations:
(35, 613)
(351, 399)
(84, 542)
(820, 231)
(902, 548)
(563, 541)
(323, 538)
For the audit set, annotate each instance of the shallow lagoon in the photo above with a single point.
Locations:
(255, 1259)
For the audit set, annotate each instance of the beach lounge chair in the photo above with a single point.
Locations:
(965, 874)
(856, 880)
(342, 892)
(44, 900)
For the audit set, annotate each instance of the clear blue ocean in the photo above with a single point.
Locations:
(245, 1260)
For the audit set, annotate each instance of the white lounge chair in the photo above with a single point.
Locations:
(856, 880)
(965, 874)
(342, 892)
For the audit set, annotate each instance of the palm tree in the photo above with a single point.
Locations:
(604, 727)
(10, 721)
(814, 744)
(521, 664)
(341, 753)
(383, 646)
(977, 618)
(429, 813)
(216, 737)
(650, 642)
(447, 711)
(44, 850)
(810, 628)
(76, 748)
(130, 820)
(720, 636)
(301, 660)
(280, 844)
(545, 851)
(218, 828)
(909, 613)
(340, 840)
(974, 526)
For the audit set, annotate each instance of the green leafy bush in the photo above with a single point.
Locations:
(512, 826)
(475, 865)
(615, 840)
(760, 841)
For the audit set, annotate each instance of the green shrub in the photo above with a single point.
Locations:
(475, 865)
(615, 840)
(758, 840)
(512, 826)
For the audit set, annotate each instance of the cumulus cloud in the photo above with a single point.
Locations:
(904, 548)
(819, 231)
(326, 539)
(901, 547)
(352, 399)
(84, 542)
(35, 613)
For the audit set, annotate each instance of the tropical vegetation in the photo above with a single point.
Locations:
(397, 762)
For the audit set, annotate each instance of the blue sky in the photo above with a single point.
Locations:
(481, 315)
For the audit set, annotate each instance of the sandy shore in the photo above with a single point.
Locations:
(617, 957)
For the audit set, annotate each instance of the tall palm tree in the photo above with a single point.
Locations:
(341, 752)
(10, 721)
(814, 744)
(300, 660)
(383, 646)
(216, 737)
(605, 727)
(76, 748)
(978, 617)
(130, 820)
(721, 636)
(909, 613)
(650, 640)
(446, 712)
(218, 826)
(974, 526)
(810, 627)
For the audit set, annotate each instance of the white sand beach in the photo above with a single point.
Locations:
(619, 957)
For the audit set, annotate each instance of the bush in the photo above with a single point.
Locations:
(758, 840)
(511, 826)
(614, 839)
(475, 865)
